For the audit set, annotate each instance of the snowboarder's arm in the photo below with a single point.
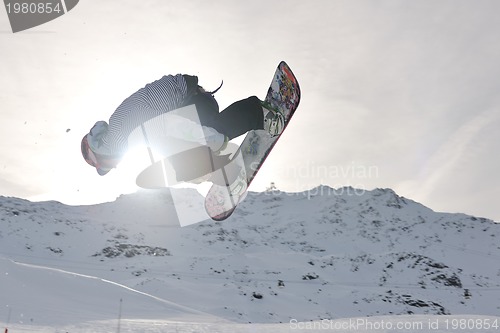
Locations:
(182, 128)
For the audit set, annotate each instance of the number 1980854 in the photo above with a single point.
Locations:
(33, 8)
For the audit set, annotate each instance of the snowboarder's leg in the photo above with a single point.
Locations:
(239, 118)
(246, 115)
(196, 162)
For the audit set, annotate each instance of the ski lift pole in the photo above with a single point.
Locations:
(119, 316)
(8, 319)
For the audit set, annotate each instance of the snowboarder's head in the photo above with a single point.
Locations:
(90, 150)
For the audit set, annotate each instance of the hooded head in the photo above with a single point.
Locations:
(94, 156)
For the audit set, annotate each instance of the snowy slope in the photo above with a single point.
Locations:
(42, 292)
(321, 254)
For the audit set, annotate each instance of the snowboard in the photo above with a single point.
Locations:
(284, 95)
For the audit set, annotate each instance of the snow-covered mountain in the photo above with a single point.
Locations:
(282, 257)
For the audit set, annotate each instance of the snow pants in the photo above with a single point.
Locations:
(237, 119)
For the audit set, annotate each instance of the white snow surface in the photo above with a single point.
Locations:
(284, 262)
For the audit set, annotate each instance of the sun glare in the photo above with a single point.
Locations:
(135, 161)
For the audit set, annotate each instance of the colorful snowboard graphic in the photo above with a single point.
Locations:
(283, 94)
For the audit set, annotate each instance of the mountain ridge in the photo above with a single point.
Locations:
(323, 253)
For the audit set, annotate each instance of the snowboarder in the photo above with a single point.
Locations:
(106, 144)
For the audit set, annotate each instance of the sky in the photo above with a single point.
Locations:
(395, 94)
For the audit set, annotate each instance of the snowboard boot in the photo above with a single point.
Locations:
(239, 186)
(274, 120)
